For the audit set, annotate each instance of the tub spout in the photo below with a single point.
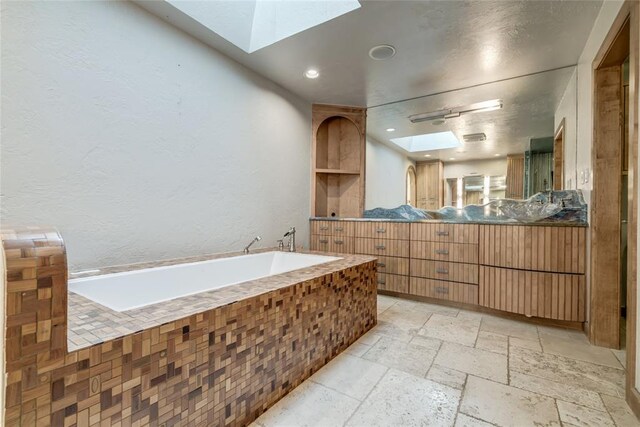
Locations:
(256, 239)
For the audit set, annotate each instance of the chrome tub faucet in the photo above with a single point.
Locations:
(256, 239)
(291, 234)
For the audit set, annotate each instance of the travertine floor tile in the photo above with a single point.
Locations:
(357, 349)
(507, 406)
(460, 330)
(447, 376)
(412, 358)
(385, 302)
(558, 390)
(578, 350)
(621, 355)
(583, 416)
(350, 375)
(509, 327)
(620, 411)
(370, 338)
(563, 333)
(310, 404)
(601, 379)
(525, 343)
(401, 399)
(432, 343)
(384, 328)
(405, 318)
(474, 361)
(466, 421)
(493, 342)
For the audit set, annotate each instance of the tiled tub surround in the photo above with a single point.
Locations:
(217, 358)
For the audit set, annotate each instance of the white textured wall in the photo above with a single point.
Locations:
(567, 110)
(139, 142)
(386, 176)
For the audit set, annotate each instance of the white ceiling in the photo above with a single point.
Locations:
(529, 104)
(441, 45)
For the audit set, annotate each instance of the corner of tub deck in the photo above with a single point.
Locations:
(36, 313)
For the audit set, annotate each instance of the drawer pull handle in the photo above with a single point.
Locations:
(324, 241)
(442, 251)
(442, 233)
(338, 242)
(380, 247)
(381, 230)
(324, 227)
(442, 290)
(382, 265)
(442, 271)
(339, 228)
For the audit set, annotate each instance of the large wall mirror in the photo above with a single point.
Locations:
(506, 139)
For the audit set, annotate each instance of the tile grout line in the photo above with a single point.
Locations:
(364, 399)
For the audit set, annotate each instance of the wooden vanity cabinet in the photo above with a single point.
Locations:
(444, 261)
(536, 271)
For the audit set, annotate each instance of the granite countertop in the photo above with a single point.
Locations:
(89, 323)
(444, 221)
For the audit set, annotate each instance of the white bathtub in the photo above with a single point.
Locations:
(139, 288)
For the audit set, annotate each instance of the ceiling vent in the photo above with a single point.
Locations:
(382, 52)
(474, 137)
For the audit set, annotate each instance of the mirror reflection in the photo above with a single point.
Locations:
(501, 140)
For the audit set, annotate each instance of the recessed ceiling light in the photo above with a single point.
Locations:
(452, 158)
(382, 52)
(391, 129)
(427, 155)
(497, 155)
(312, 73)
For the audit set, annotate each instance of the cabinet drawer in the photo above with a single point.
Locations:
(382, 247)
(320, 227)
(342, 228)
(450, 291)
(441, 232)
(452, 271)
(393, 265)
(540, 248)
(326, 243)
(533, 293)
(454, 252)
(393, 283)
(382, 230)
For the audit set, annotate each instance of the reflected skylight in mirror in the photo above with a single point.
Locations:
(254, 24)
(428, 142)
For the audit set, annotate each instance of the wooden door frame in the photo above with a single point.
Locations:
(558, 157)
(629, 13)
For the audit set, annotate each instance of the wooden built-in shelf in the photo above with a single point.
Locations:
(338, 171)
(338, 156)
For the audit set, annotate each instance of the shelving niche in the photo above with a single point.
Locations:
(338, 161)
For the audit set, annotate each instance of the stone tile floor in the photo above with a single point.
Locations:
(430, 365)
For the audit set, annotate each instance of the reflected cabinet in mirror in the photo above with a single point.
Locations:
(501, 140)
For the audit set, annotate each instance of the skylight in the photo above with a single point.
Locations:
(428, 142)
(254, 24)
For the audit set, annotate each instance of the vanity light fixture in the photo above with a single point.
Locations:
(391, 129)
(312, 73)
(451, 113)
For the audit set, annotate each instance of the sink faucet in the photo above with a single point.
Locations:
(256, 239)
(291, 234)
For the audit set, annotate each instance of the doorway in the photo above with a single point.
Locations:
(614, 201)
